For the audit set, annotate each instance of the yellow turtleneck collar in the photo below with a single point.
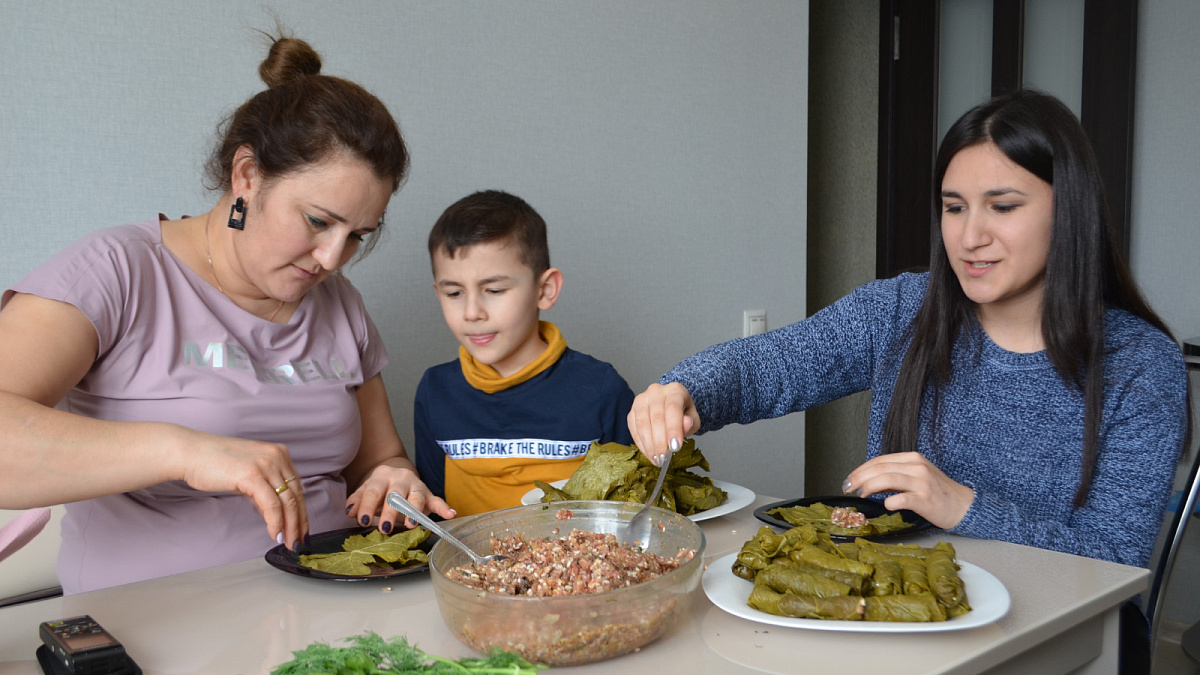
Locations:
(485, 378)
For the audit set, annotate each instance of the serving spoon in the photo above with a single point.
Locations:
(638, 529)
(401, 504)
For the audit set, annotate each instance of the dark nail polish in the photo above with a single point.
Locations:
(349, 508)
(366, 520)
(386, 527)
(296, 545)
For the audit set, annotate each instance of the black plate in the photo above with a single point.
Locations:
(868, 507)
(331, 542)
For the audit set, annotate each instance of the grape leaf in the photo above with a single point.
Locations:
(617, 472)
(602, 470)
(362, 551)
(348, 563)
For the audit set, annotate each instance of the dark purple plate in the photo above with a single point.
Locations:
(870, 508)
(331, 542)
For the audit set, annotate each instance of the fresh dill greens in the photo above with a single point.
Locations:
(370, 654)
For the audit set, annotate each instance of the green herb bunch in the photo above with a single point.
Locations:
(370, 654)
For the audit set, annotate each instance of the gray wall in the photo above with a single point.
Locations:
(665, 143)
(1165, 249)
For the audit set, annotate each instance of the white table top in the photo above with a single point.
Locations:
(249, 617)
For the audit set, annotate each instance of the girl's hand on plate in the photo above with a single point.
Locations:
(919, 486)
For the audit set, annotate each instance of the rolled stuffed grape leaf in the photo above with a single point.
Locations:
(843, 608)
(783, 579)
(888, 578)
(916, 578)
(944, 580)
(815, 556)
(904, 608)
(858, 584)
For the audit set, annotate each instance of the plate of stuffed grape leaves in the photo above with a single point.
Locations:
(617, 472)
(357, 554)
(844, 518)
(803, 579)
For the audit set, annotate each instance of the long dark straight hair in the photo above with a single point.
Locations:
(1086, 271)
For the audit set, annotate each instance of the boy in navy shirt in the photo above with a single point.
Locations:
(517, 405)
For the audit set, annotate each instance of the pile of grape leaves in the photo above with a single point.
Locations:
(363, 554)
(617, 472)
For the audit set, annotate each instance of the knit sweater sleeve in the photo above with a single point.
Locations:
(1141, 435)
(824, 357)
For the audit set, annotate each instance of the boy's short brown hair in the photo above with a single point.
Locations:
(492, 215)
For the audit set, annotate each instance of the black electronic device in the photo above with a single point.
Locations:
(80, 646)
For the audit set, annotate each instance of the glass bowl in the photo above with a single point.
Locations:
(565, 631)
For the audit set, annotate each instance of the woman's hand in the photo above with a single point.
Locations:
(382, 466)
(661, 413)
(396, 475)
(919, 486)
(262, 471)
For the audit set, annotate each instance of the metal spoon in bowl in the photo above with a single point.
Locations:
(401, 504)
(638, 529)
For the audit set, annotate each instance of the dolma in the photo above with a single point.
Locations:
(849, 549)
(943, 578)
(959, 609)
(908, 550)
(752, 554)
(743, 571)
(916, 579)
(872, 557)
(843, 607)
(827, 544)
(780, 544)
(888, 578)
(783, 579)
(945, 548)
(858, 583)
(922, 608)
(815, 556)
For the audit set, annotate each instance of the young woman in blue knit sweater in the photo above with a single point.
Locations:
(1022, 389)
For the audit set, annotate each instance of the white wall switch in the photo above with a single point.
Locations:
(754, 321)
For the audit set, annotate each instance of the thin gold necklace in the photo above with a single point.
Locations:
(211, 268)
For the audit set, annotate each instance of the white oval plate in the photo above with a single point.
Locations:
(988, 597)
(736, 497)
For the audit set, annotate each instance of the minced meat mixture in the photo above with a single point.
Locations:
(581, 563)
(847, 517)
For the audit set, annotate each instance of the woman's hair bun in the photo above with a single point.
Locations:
(289, 59)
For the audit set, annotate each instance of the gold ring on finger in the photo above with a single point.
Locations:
(281, 489)
(290, 480)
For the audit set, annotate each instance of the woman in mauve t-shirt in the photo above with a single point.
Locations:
(179, 384)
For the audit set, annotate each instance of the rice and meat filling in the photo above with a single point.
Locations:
(579, 564)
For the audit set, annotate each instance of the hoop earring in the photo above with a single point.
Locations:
(238, 207)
